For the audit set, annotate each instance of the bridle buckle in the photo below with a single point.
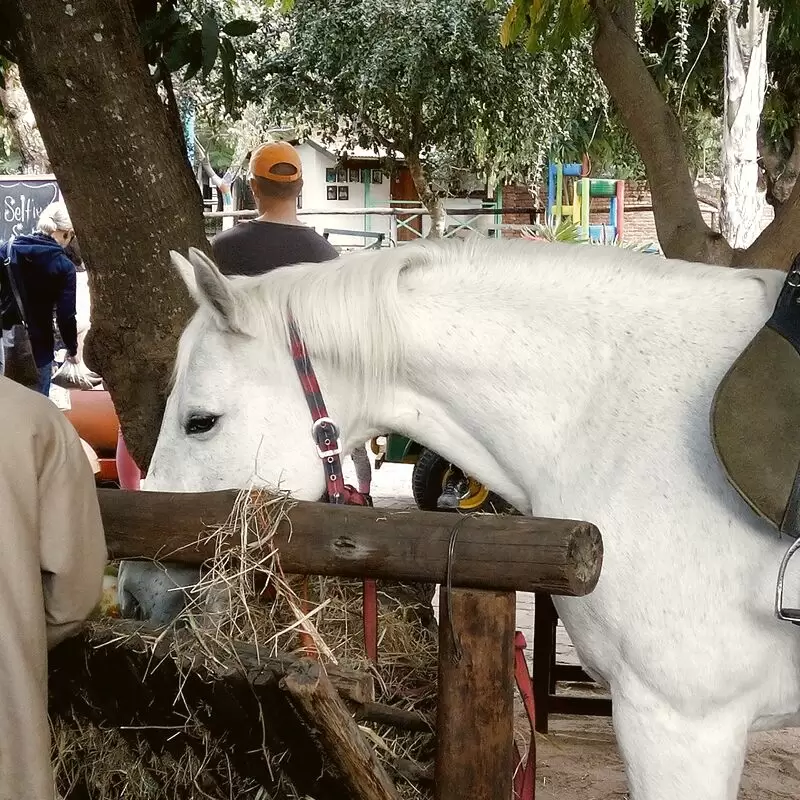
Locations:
(329, 438)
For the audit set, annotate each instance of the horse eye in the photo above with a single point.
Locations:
(200, 423)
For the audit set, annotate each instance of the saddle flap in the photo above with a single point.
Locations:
(755, 417)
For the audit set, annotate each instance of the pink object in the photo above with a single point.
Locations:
(620, 220)
(130, 476)
(524, 776)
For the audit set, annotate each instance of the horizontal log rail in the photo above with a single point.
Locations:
(503, 553)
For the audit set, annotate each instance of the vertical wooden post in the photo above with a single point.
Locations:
(475, 719)
(544, 656)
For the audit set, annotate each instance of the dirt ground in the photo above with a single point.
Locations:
(578, 760)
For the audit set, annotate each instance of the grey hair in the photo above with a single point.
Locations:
(54, 218)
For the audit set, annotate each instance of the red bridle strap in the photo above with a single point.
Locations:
(323, 428)
(326, 437)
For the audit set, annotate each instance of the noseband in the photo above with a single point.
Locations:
(326, 437)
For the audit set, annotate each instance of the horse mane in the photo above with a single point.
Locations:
(350, 310)
(334, 305)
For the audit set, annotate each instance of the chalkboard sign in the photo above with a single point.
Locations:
(22, 200)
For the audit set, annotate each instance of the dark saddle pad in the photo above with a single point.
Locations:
(755, 416)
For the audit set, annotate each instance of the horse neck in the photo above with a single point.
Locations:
(481, 381)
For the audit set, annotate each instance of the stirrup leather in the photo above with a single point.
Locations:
(781, 612)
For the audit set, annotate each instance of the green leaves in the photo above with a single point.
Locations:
(513, 25)
(284, 6)
(548, 25)
(210, 42)
(162, 26)
(432, 78)
(178, 37)
(240, 27)
(228, 61)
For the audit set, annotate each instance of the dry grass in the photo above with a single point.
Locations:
(244, 596)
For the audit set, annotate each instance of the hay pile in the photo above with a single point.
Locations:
(244, 597)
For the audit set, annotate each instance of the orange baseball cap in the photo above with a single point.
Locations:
(267, 157)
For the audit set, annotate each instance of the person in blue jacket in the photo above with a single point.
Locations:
(45, 280)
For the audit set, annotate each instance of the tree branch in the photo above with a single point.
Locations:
(19, 115)
(173, 112)
(779, 242)
(657, 134)
(707, 193)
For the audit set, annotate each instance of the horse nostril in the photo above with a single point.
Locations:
(130, 607)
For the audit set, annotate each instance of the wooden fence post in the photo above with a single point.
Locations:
(475, 718)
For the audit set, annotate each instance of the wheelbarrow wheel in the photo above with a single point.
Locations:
(438, 485)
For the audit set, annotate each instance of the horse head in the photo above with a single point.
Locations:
(236, 415)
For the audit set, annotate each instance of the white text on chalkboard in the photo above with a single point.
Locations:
(21, 209)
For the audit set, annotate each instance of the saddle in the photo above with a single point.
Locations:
(755, 416)
(755, 424)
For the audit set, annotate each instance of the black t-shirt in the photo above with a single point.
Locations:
(255, 247)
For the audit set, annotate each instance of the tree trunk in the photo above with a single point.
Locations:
(223, 188)
(20, 118)
(655, 129)
(431, 200)
(131, 193)
(742, 205)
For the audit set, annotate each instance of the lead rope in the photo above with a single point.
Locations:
(326, 438)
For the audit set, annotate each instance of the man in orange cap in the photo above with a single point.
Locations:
(276, 237)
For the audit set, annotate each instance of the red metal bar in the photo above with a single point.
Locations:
(370, 613)
(307, 642)
(525, 778)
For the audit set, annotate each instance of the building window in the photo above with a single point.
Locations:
(344, 192)
(331, 193)
(330, 175)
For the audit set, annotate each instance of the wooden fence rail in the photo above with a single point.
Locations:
(481, 561)
(510, 553)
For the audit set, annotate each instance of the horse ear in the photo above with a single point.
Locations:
(186, 271)
(212, 288)
(215, 288)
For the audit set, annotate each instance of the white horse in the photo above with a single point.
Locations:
(573, 381)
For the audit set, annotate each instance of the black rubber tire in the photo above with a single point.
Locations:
(426, 485)
(426, 479)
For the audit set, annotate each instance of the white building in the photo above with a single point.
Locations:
(341, 186)
(329, 190)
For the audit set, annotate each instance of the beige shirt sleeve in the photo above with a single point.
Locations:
(72, 544)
